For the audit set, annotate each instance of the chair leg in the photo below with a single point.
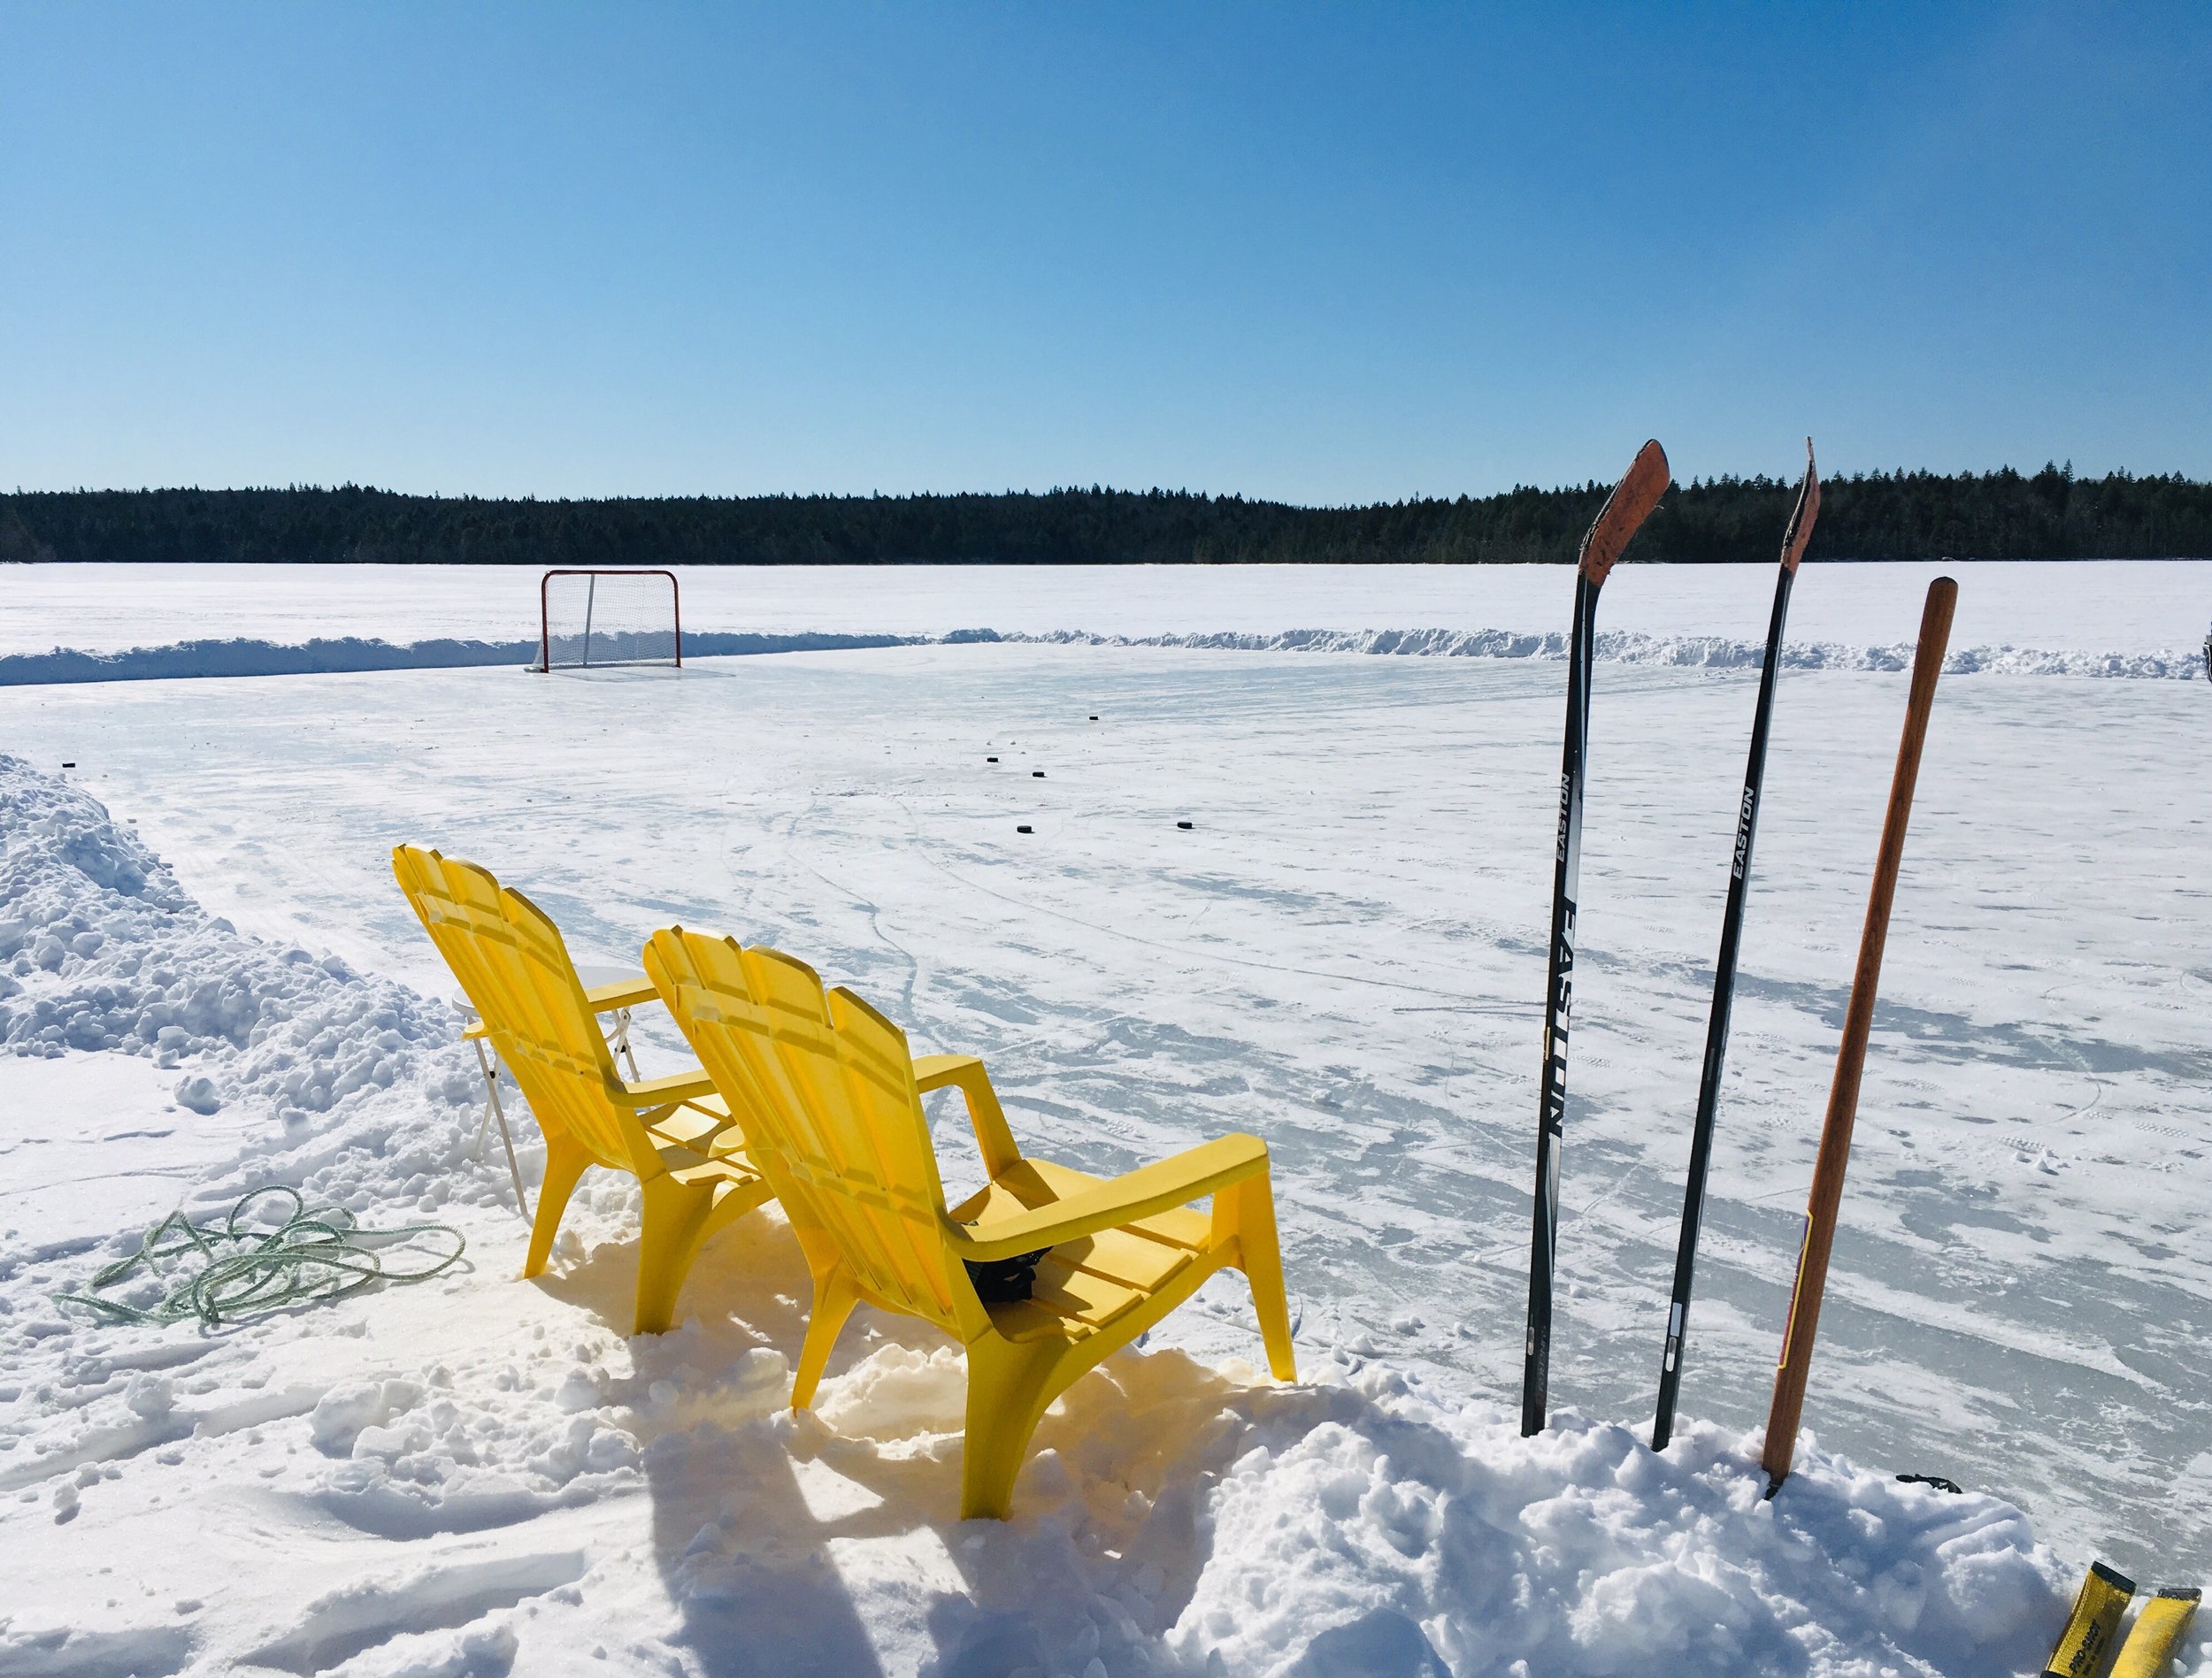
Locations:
(675, 1222)
(1250, 1207)
(565, 1162)
(506, 1141)
(1009, 1387)
(834, 1303)
(491, 1097)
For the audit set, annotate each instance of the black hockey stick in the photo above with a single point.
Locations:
(1794, 540)
(1624, 510)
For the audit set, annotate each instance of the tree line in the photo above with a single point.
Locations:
(1906, 515)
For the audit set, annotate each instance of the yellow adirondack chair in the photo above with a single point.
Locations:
(830, 1100)
(673, 1134)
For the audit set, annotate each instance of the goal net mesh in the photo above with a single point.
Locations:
(593, 617)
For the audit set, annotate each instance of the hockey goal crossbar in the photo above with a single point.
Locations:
(595, 618)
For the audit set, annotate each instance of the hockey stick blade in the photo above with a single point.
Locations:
(1624, 511)
(1800, 528)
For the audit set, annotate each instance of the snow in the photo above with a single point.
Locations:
(136, 1164)
(2018, 617)
(107, 953)
(476, 1474)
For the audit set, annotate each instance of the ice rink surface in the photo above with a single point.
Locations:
(1344, 954)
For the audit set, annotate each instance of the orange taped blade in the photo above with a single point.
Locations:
(1801, 529)
(1624, 510)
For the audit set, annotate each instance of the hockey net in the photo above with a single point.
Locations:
(587, 618)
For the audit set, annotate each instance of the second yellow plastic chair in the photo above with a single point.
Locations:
(673, 1134)
(830, 1100)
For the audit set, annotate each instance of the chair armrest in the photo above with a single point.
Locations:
(623, 993)
(1187, 1177)
(993, 1139)
(474, 1029)
(672, 1091)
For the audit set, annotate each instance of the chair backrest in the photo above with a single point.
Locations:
(513, 968)
(823, 1088)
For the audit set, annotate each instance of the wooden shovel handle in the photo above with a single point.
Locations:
(1843, 1095)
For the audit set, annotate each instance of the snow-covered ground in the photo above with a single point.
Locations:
(2073, 618)
(1343, 955)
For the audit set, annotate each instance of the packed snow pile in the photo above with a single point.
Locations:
(246, 656)
(481, 1476)
(252, 657)
(341, 1083)
(1632, 647)
(103, 950)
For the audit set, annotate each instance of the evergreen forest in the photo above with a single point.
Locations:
(1906, 515)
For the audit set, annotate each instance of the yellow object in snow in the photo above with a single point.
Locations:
(2158, 1629)
(830, 1100)
(2085, 1643)
(673, 1134)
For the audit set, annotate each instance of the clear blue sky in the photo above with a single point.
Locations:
(1322, 255)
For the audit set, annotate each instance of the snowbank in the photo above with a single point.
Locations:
(1183, 1518)
(1630, 646)
(347, 1085)
(482, 1476)
(249, 657)
(101, 949)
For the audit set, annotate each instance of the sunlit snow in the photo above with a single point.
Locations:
(1343, 953)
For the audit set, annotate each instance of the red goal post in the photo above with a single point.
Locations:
(590, 618)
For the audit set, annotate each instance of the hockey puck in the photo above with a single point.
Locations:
(1037, 774)
(1024, 828)
(990, 759)
(1183, 825)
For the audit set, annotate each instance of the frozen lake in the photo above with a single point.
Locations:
(1344, 955)
(2066, 606)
